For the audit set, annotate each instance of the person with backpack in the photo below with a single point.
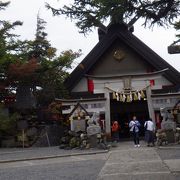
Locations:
(115, 131)
(149, 132)
(134, 126)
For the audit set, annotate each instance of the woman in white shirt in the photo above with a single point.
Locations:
(134, 126)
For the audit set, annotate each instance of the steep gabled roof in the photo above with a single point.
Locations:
(120, 31)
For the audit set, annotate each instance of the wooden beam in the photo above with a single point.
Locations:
(133, 76)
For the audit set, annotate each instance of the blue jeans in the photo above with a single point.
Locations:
(149, 137)
(135, 137)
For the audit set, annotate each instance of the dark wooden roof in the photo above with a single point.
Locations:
(121, 32)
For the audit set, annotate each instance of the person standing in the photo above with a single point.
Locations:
(134, 126)
(115, 131)
(149, 132)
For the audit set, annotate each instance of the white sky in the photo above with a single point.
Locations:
(63, 34)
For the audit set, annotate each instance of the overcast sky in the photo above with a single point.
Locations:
(63, 34)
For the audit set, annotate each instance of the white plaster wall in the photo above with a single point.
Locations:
(165, 102)
(117, 84)
(161, 82)
(81, 86)
(90, 106)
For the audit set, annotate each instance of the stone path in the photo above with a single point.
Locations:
(123, 162)
(129, 163)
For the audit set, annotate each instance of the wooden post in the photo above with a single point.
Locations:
(107, 113)
(23, 138)
(150, 104)
(48, 139)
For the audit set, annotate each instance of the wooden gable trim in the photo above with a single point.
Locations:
(78, 105)
(145, 75)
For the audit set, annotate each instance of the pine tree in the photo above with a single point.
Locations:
(8, 44)
(174, 48)
(95, 13)
(177, 27)
(40, 47)
(39, 66)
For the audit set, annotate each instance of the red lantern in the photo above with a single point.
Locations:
(152, 82)
(90, 85)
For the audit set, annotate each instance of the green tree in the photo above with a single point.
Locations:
(8, 40)
(177, 27)
(52, 68)
(174, 48)
(95, 13)
(9, 44)
(26, 65)
(52, 75)
(41, 48)
(39, 72)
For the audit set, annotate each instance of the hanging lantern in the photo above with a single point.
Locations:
(139, 95)
(121, 97)
(142, 94)
(152, 82)
(128, 98)
(117, 96)
(114, 95)
(135, 97)
(90, 85)
(124, 97)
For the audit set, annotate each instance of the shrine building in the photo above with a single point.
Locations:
(122, 77)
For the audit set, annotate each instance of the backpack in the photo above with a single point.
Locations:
(115, 127)
(145, 127)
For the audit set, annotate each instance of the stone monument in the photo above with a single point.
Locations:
(168, 124)
(168, 120)
(93, 129)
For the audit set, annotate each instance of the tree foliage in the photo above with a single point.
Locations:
(52, 75)
(3, 5)
(177, 27)
(8, 45)
(20, 71)
(7, 39)
(40, 47)
(39, 65)
(95, 13)
(7, 123)
(26, 65)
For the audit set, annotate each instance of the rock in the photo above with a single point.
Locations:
(8, 143)
(93, 141)
(32, 131)
(62, 146)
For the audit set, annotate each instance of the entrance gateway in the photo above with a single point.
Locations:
(123, 100)
(124, 111)
(120, 101)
